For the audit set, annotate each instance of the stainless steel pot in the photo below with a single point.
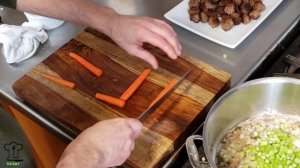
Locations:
(266, 95)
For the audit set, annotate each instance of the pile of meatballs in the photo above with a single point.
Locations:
(226, 13)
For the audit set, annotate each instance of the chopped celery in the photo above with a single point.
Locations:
(259, 144)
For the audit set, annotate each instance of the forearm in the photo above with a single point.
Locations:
(81, 154)
(74, 161)
(78, 11)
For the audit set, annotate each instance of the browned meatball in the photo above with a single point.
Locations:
(202, 8)
(259, 6)
(194, 7)
(226, 22)
(251, 2)
(229, 8)
(237, 2)
(203, 17)
(209, 4)
(255, 14)
(225, 12)
(195, 18)
(224, 2)
(194, 3)
(193, 11)
(212, 13)
(245, 8)
(213, 22)
(245, 18)
(237, 10)
(237, 19)
(220, 11)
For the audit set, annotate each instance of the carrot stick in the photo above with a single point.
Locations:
(111, 100)
(164, 91)
(95, 70)
(135, 85)
(60, 81)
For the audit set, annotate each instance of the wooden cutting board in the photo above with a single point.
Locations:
(77, 108)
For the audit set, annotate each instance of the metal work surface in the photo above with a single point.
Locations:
(239, 62)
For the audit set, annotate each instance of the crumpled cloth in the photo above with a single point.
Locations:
(20, 42)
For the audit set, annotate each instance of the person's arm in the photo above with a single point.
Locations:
(129, 32)
(106, 144)
(78, 11)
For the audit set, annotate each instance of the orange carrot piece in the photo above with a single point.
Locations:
(164, 91)
(135, 85)
(95, 70)
(60, 81)
(111, 100)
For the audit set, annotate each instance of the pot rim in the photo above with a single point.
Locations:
(215, 106)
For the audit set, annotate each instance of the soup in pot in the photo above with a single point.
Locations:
(265, 141)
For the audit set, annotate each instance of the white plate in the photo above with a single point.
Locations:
(232, 38)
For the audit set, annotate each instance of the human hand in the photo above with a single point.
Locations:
(130, 32)
(105, 144)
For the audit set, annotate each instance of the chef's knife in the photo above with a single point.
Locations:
(154, 106)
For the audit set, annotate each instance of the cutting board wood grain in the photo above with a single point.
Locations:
(77, 108)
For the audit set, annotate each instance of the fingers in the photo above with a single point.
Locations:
(136, 127)
(158, 41)
(165, 31)
(129, 145)
(146, 55)
(133, 31)
(130, 127)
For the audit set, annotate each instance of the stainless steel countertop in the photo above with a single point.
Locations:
(239, 62)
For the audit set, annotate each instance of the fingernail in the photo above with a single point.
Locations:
(178, 52)
(132, 146)
(174, 56)
(155, 66)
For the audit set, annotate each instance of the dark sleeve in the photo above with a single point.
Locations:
(9, 3)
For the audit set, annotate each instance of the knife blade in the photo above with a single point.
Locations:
(154, 106)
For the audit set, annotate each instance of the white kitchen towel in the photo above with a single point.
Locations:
(20, 42)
